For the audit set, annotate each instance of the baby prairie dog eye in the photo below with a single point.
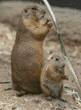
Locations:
(34, 8)
(57, 59)
(25, 11)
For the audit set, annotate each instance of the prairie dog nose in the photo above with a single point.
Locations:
(63, 65)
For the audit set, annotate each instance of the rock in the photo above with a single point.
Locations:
(19, 108)
(61, 103)
(14, 108)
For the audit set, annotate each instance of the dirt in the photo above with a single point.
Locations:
(69, 24)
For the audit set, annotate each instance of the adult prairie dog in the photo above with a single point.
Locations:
(27, 57)
(52, 77)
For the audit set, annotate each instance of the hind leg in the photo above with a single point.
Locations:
(19, 91)
(46, 92)
(60, 94)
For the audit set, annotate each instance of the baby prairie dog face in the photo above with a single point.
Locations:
(33, 19)
(56, 69)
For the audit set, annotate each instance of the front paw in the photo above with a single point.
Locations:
(65, 77)
(20, 93)
(63, 99)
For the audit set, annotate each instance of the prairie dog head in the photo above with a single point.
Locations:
(56, 68)
(59, 64)
(32, 20)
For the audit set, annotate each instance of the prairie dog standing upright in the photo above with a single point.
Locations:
(27, 58)
(52, 78)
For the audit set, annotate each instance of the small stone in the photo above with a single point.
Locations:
(49, 98)
(10, 74)
(37, 101)
(79, 62)
(9, 87)
(74, 107)
(14, 108)
(53, 108)
(59, 109)
(67, 86)
(19, 108)
(61, 103)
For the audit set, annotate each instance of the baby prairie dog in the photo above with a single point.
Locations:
(27, 57)
(52, 77)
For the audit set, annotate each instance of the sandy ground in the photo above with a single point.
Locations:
(69, 24)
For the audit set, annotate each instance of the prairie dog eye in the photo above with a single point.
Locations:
(57, 59)
(25, 11)
(34, 8)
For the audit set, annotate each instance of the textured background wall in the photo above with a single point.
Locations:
(59, 3)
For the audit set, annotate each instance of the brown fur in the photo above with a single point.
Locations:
(27, 59)
(52, 78)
